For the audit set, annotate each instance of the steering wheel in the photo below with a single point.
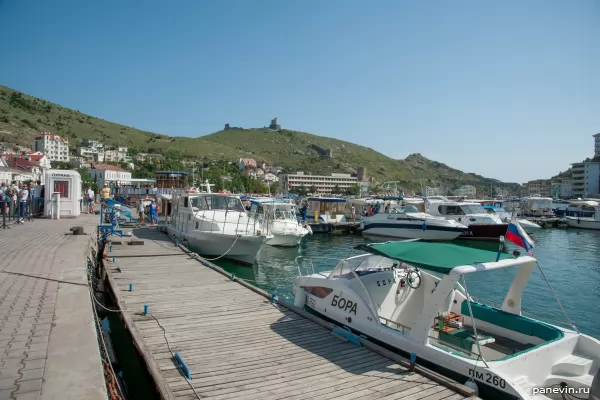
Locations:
(414, 278)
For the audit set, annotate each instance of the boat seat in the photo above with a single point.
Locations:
(513, 322)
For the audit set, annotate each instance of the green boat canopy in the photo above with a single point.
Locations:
(439, 257)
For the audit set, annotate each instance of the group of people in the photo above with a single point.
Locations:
(90, 197)
(16, 198)
(151, 210)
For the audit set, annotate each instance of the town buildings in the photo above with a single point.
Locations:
(321, 183)
(585, 176)
(468, 191)
(538, 188)
(55, 147)
(562, 189)
(110, 174)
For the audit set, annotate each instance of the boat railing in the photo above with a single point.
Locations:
(498, 305)
(398, 326)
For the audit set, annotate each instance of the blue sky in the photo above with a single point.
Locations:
(507, 89)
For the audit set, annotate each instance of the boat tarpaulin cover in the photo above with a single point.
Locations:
(439, 257)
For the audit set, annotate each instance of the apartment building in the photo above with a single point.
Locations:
(585, 179)
(322, 183)
(468, 191)
(538, 188)
(55, 147)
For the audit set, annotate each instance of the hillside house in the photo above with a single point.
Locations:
(245, 163)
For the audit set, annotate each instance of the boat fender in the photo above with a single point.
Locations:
(472, 385)
(595, 387)
(578, 220)
(424, 226)
(413, 361)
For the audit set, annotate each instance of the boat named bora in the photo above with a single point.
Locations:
(393, 296)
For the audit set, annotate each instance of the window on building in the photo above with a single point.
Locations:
(62, 187)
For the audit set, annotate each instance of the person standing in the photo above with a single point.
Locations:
(353, 211)
(3, 198)
(141, 211)
(90, 200)
(23, 197)
(153, 212)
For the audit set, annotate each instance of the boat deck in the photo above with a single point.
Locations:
(236, 343)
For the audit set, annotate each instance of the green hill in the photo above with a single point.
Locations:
(22, 117)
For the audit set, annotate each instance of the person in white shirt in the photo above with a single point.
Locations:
(90, 200)
(23, 197)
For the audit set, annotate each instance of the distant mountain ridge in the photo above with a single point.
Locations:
(22, 117)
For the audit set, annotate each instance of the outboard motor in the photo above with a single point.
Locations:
(595, 387)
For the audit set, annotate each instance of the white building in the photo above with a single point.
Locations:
(55, 147)
(585, 179)
(322, 183)
(5, 173)
(110, 174)
(270, 177)
(467, 191)
(562, 189)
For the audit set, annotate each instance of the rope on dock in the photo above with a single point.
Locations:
(97, 302)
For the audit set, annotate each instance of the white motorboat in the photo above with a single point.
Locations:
(279, 222)
(505, 216)
(406, 222)
(216, 226)
(412, 297)
(583, 214)
(481, 225)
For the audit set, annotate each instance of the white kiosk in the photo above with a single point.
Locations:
(62, 191)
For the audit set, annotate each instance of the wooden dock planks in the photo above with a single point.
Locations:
(236, 343)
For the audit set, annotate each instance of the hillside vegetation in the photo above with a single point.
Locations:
(22, 117)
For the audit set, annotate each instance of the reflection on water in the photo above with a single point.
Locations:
(569, 259)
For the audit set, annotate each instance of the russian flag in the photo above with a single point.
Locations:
(516, 234)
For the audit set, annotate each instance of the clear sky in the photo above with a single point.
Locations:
(507, 89)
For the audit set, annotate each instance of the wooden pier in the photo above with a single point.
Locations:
(236, 343)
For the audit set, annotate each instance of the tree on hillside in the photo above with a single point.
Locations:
(336, 190)
(313, 189)
(353, 190)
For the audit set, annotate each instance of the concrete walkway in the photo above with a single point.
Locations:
(48, 342)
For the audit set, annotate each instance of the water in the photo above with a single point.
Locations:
(570, 259)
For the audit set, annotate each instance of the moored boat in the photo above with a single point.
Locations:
(412, 297)
(406, 222)
(278, 221)
(481, 225)
(216, 225)
(583, 214)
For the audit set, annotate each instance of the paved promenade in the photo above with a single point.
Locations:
(48, 343)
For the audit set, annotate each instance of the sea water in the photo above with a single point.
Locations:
(569, 258)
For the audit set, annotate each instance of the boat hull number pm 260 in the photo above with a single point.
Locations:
(347, 305)
(488, 378)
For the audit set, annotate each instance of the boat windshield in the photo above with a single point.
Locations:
(229, 203)
(362, 265)
(405, 209)
(472, 209)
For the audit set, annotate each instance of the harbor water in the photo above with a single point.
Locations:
(569, 259)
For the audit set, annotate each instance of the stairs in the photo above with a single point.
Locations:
(572, 365)
(526, 388)
(574, 370)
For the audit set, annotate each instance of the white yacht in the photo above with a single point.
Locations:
(406, 222)
(481, 225)
(279, 222)
(583, 214)
(216, 226)
(427, 311)
(505, 216)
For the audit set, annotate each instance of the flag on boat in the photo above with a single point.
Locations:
(516, 234)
